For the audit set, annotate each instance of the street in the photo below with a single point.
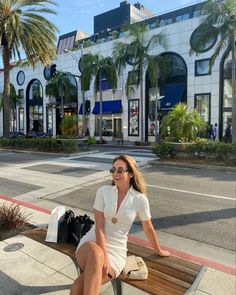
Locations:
(191, 203)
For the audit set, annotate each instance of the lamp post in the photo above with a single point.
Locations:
(157, 106)
(83, 94)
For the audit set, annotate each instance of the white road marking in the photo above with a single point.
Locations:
(191, 192)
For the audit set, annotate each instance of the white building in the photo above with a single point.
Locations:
(190, 80)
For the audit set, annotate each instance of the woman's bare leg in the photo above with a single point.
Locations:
(78, 285)
(91, 259)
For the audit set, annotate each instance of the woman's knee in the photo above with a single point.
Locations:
(90, 254)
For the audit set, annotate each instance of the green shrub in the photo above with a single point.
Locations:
(40, 144)
(69, 126)
(207, 149)
(162, 150)
(91, 140)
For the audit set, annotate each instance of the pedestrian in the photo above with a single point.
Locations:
(228, 134)
(101, 253)
(215, 132)
(211, 132)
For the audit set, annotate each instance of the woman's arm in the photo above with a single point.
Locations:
(152, 237)
(101, 240)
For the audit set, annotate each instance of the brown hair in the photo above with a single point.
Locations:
(137, 181)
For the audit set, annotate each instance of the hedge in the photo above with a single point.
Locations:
(40, 144)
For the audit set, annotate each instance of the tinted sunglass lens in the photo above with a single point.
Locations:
(112, 170)
(119, 171)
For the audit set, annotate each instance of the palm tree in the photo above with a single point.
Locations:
(94, 66)
(221, 16)
(137, 53)
(61, 89)
(23, 27)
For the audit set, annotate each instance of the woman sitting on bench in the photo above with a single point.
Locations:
(101, 253)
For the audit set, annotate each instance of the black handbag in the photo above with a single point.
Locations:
(82, 224)
(66, 227)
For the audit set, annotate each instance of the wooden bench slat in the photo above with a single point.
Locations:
(169, 278)
(166, 281)
(175, 272)
(132, 247)
(150, 286)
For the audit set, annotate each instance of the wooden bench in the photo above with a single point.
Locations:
(167, 275)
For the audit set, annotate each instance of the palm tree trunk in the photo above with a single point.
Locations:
(141, 103)
(233, 91)
(100, 92)
(6, 93)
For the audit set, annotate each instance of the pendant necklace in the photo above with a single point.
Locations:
(114, 220)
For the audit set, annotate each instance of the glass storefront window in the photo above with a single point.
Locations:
(151, 115)
(35, 101)
(50, 120)
(106, 126)
(227, 93)
(21, 119)
(111, 125)
(202, 105)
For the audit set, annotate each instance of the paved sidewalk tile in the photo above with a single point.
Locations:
(215, 282)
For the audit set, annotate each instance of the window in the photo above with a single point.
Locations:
(20, 78)
(21, 119)
(196, 36)
(47, 73)
(202, 67)
(202, 105)
(182, 17)
(175, 65)
(133, 117)
(133, 77)
(35, 106)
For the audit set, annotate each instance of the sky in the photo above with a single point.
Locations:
(78, 14)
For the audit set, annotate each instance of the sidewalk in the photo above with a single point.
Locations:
(31, 268)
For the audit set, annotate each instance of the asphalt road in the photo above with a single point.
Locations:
(192, 203)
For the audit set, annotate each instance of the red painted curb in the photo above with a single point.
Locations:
(26, 204)
(184, 255)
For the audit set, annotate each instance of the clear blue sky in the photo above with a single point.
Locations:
(78, 14)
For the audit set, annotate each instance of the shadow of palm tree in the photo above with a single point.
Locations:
(10, 286)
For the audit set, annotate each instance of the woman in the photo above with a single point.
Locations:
(101, 253)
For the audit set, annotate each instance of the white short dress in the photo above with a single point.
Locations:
(116, 234)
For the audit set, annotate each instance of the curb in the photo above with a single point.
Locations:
(193, 166)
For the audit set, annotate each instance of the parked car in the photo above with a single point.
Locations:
(16, 134)
(36, 134)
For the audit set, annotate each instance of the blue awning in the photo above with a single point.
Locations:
(173, 94)
(108, 107)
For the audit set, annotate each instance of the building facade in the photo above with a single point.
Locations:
(190, 79)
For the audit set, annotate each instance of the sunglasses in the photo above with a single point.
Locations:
(119, 170)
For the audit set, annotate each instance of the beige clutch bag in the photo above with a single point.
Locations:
(135, 268)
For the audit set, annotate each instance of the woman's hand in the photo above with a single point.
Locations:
(106, 267)
(163, 253)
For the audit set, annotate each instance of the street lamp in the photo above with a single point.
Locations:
(157, 106)
(66, 50)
